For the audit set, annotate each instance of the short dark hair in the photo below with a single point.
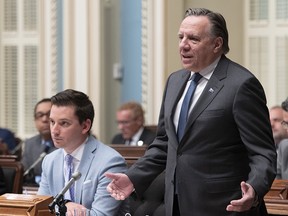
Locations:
(83, 106)
(284, 105)
(219, 28)
(44, 100)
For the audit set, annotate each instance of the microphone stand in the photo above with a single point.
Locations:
(59, 199)
(62, 209)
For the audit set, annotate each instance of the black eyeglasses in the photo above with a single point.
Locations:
(284, 124)
(126, 122)
(40, 115)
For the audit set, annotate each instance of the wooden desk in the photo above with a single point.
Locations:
(276, 200)
(20, 204)
(130, 153)
(28, 190)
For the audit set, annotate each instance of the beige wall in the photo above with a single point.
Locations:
(110, 55)
(174, 16)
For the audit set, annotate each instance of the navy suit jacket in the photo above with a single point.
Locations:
(228, 139)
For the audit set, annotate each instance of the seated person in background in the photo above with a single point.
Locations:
(7, 139)
(276, 118)
(71, 119)
(38, 144)
(282, 157)
(130, 120)
(2, 182)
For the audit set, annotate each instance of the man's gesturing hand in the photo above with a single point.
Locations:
(247, 200)
(120, 187)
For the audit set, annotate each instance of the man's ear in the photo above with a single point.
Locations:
(86, 125)
(218, 44)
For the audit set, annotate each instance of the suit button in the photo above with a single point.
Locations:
(179, 154)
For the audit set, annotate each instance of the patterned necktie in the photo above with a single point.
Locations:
(186, 104)
(69, 171)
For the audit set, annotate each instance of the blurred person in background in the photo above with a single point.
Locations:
(7, 140)
(131, 120)
(36, 147)
(282, 157)
(276, 118)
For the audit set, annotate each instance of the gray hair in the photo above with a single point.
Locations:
(219, 28)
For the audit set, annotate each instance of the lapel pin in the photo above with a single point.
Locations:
(211, 90)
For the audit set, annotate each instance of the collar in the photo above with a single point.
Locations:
(78, 152)
(208, 71)
(137, 135)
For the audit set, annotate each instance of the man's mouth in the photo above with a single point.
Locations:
(186, 56)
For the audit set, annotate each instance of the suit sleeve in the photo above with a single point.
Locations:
(252, 118)
(103, 203)
(148, 167)
(44, 184)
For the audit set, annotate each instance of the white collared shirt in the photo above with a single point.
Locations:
(77, 155)
(135, 139)
(206, 73)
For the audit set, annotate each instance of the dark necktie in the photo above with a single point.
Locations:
(186, 104)
(69, 165)
(47, 146)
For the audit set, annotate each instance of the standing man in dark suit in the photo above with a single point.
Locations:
(36, 145)
(225, 161)
(130, 120)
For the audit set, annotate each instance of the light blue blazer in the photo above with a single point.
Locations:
(90, 190)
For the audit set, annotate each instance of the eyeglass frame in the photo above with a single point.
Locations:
(125, 123)
(40, 115)
(284, 124)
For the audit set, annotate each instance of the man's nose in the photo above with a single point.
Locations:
(54, 129)
(183, 43)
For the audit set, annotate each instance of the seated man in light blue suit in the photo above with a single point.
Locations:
(71, 119)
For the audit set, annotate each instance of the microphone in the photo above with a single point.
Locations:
(75, 176)
(42, 155)
(17, 148)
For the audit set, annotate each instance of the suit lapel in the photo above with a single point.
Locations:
(174, 93)
(209, 93)
(211, 90)
(58, 172)
(84, 166)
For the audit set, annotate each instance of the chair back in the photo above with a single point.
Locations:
(13, 172)
(130, 153)
(152, 128)
(152, 201)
